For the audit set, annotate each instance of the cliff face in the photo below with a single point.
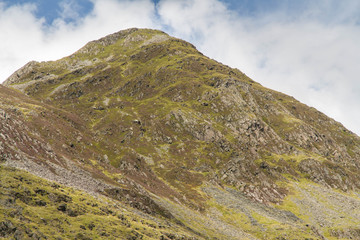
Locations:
(148, 122)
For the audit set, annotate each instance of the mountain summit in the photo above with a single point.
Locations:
(138, 135)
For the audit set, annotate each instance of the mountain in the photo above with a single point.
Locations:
(140, 136)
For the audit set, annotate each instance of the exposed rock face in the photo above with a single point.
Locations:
(24, 71)
(147, 120)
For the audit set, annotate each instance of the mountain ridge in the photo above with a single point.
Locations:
(149, 121)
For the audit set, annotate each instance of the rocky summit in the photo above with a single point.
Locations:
(140, 136)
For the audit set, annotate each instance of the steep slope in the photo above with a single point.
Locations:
(39, 138)
(32, 208)
(195, 141)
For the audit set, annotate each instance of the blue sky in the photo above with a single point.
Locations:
(51, 9)
(305, 48)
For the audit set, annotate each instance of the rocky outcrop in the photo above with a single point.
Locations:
(17, 76)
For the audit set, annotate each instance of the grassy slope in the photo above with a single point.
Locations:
(32, 207)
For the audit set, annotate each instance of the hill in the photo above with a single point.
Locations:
(143, 124)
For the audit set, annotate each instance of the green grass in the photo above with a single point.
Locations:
(32, 205)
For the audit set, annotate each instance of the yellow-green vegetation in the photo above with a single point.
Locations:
(329, 212)
(260, 222)
(32, 207)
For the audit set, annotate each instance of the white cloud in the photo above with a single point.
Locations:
(310, 52)
(69, 9)
(17, 25)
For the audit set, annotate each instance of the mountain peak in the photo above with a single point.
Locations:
(148, 121)
(130, 35)
(118, 43)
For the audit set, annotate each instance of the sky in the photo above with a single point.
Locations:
(307, 49)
